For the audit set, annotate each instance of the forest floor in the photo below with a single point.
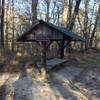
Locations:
(77, 79)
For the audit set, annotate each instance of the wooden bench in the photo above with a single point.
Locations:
(50, 64)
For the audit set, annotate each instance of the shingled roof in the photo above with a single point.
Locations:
(64, 31)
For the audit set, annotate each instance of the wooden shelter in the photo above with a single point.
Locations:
(45, 33)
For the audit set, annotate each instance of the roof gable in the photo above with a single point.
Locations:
(49, 31)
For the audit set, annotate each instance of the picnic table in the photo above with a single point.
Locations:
(50, 64)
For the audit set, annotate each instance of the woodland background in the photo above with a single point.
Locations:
(80, 16)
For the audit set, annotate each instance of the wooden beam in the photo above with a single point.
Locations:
(48, 44)
(59, 43)
(66, 44)
(62, 49)
(62, 44)
(43, 54)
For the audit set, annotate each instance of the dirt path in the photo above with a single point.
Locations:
(78, 80)
(76, 83)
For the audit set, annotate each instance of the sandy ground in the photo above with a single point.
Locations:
(76, 80)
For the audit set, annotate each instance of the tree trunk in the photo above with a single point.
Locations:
(70, 10)
(2, 23)
(93, 34)
(43, 54)
(73, 17)
(13, 27)
(34, 10)
(85, 31)
(62, 49)
(94, 29)
(58, 19)
(7, 25)
(48, 6)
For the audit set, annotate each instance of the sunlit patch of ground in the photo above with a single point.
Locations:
(78, 79)
(84, 60)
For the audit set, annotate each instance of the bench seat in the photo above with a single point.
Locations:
(54, 62)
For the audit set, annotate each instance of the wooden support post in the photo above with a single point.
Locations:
(62, 49)
(48, 44)
(43, 54)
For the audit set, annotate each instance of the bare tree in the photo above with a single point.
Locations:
(34, 10)
(94, 29)
(85, 31)
(2, 23)
(47, 9)
(13, 26)
(73, 17)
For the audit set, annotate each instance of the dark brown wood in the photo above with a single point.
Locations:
(48, 43)
(2, 23)
(62, 44)
(43, 32)
(66, 44)
(62, 49)
(43, 54)
(55, 62)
